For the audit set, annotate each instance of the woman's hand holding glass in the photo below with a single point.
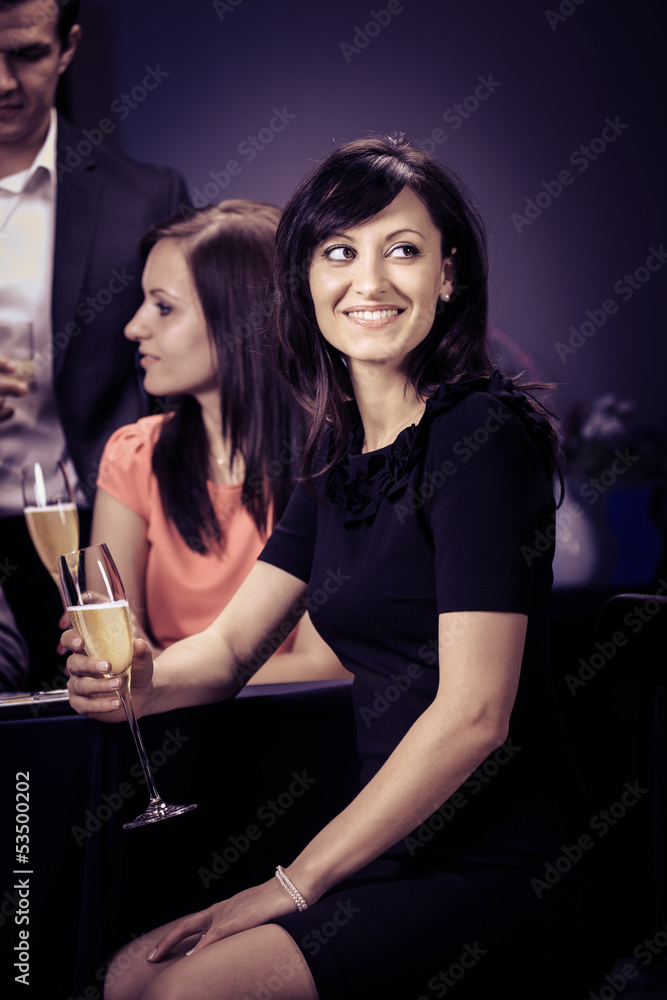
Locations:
(99, 612)
(96, 696)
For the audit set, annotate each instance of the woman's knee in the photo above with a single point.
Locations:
(123, 980)
(164, 988)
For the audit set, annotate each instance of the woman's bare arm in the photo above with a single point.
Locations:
(480, 659)
(125, 532)
(207, 667)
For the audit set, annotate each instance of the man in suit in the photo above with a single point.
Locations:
(13, 651)
(72, 214)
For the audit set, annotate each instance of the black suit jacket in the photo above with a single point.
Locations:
(105, 204)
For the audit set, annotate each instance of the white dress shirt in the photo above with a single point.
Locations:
(27, 235)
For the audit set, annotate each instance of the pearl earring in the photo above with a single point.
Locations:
(446, 297)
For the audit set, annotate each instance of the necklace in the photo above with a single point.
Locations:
(408, 422)
(230, 476)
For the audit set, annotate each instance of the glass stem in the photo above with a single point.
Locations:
(139, 743)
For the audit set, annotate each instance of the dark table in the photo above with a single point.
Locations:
(267, 770)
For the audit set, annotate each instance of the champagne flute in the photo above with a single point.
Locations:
(50, 513)
(99, 611)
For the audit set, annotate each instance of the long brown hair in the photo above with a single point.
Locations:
(351, 185)
(229, 249)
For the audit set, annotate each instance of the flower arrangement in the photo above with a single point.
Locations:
(595, 439)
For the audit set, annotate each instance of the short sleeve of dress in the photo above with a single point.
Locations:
(489, 498)
(125, 467)
(291, 544)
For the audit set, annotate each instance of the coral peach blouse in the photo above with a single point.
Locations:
(185, 590)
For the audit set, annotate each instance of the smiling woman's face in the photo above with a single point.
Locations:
(375, 287)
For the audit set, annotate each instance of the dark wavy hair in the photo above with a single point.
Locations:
(68, 15)
(350, 186)
(229, 249)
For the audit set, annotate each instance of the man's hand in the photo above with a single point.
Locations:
(9, 387)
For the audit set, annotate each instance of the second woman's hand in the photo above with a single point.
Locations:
(94, 695)
(9, 386)
(251, 908)
(63, 624)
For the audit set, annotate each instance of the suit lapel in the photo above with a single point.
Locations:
(79, 189)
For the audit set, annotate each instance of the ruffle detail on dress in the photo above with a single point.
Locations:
(360, 487)
(385, 474)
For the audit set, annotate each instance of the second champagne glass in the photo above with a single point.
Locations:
(100, 613)
(50, 513)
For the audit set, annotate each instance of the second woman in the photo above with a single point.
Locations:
(187, 498)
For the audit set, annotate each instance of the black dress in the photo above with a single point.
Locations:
(453, 516)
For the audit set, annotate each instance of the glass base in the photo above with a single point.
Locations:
(156, 811)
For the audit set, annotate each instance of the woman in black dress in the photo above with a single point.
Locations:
(467, 857)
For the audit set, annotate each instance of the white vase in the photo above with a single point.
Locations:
(585, 545)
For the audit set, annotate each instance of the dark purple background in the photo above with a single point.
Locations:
(557, 85)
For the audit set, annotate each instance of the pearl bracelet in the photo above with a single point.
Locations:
(289, 887)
